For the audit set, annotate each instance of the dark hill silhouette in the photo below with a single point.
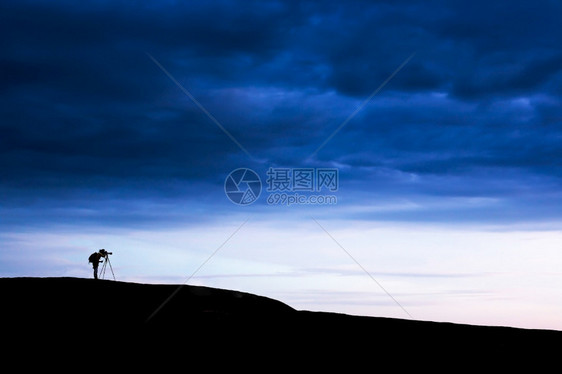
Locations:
(203, 320)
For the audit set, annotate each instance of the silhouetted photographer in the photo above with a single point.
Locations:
(95, 259)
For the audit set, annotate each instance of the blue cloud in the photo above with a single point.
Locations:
(87, 114)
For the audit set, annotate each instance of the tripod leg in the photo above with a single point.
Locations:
(102, 272)
(111, 268)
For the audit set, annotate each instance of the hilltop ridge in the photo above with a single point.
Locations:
(226, 320)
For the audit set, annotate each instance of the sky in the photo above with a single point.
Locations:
(184, 138)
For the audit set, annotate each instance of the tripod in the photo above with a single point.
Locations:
(102, 272)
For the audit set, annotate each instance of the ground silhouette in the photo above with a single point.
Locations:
(119, 317)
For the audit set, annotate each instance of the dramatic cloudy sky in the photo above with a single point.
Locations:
(120, 122)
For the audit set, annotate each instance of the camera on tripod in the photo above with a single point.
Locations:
(105, 253)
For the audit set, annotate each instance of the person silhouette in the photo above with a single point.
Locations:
(94, 259)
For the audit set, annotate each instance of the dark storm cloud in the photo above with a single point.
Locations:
(85, 109)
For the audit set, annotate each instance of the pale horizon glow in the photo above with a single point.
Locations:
(473, 275)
